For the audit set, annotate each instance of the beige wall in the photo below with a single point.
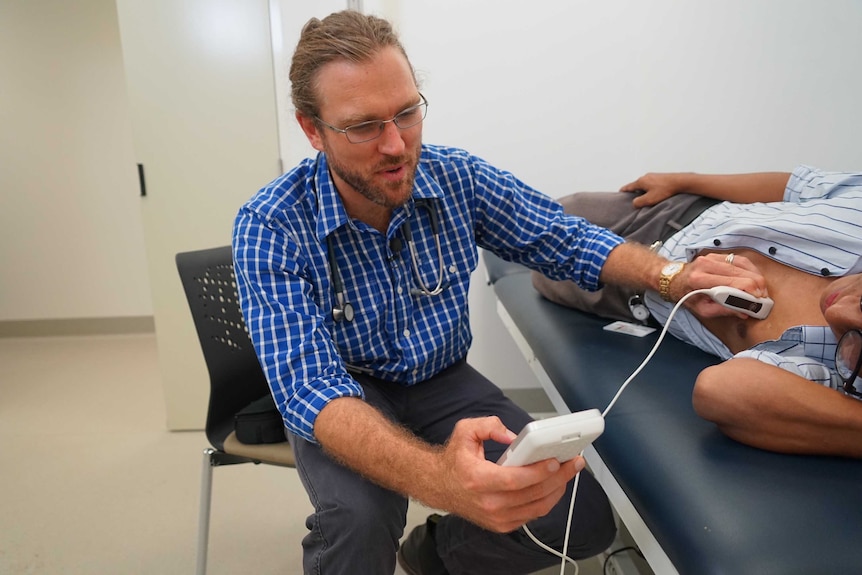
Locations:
(71, 240)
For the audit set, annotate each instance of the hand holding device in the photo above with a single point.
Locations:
(563, 437)
(738, 300)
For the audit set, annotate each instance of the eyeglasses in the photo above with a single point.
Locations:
(371, 130)
(848, 360)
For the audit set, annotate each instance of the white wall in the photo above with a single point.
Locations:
(588, 95)
(288, 17)
(569, 95)
(72, 241)
(585, 95)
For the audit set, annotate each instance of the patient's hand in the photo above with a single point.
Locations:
(655, 188)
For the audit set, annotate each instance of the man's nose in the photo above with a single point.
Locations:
(391, 140)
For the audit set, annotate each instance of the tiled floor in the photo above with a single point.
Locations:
(92, 483)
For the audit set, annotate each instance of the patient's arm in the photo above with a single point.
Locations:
(738, 188)
(771, 408)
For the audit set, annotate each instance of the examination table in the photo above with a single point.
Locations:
(693, 500)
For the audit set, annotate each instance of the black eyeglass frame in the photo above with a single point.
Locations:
(380, 123)
(849, 386)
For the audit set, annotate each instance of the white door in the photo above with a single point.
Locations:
(201, 88)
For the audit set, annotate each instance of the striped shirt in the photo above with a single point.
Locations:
(816, 229)
(285, 281)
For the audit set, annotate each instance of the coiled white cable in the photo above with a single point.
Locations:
(564, 558)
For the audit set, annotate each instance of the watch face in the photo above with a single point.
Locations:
(671, 268)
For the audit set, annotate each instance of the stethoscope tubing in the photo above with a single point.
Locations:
(344, 311)
(431, 209)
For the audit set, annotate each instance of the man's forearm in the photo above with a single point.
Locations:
(633, 265)
(361, 438)
(738, 188)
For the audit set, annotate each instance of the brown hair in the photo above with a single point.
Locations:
(347, 35)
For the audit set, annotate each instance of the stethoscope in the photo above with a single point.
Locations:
(344, 311)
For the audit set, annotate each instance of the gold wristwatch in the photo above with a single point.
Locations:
(668, 272)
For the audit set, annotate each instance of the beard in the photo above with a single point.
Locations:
(389, 194)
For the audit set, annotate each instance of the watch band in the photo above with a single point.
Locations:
(668, 273)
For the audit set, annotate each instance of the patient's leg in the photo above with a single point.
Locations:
(609, 302)
(614, 211)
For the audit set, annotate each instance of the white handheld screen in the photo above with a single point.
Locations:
(563, 437)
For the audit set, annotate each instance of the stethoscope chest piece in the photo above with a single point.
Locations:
(343, 311)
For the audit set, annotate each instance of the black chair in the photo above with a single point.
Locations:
(236, 378)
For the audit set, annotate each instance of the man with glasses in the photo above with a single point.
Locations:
(791, 380)
(353, 270)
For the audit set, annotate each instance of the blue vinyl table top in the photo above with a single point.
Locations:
(714, 505)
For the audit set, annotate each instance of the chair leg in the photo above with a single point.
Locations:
(204, 512)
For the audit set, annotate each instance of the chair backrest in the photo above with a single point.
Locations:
(236, 378)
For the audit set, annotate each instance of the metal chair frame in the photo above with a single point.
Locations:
(236, 378)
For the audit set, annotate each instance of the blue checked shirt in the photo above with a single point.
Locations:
(285, 282)
(816, 229)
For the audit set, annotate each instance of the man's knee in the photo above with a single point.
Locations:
(361, 531)
(600, 208)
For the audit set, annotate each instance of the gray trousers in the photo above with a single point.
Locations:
(613, 210)
(356, 525)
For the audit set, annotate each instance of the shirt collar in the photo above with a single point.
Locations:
(817, 342)
(330, 210)
(820, 340)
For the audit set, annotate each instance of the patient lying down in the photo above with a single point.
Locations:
(780, 387)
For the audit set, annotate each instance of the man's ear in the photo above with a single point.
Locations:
(309, 127)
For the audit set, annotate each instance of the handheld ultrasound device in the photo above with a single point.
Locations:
(738, 300)
(563, 437)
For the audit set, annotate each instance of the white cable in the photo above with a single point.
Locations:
(565, 552)
(564, 555)
(653, 350)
